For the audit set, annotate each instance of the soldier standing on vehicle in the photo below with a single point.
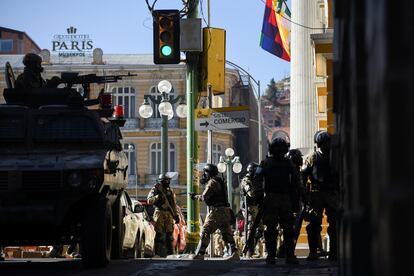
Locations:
(324, 195)
(31, 76)
(220, 215)
(281, 182)
(163, 197)
(253, 192)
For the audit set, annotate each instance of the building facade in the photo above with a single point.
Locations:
(13, 42)
(142, 137)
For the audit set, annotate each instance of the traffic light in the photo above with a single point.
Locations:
(166, 36)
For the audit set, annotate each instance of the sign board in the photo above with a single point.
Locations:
(72, 44)
(222, 118)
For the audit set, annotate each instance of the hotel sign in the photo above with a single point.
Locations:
(72, 44)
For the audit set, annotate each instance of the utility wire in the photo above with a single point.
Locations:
(298, 24)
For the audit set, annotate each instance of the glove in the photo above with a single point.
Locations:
(192, 195)
(177, 219)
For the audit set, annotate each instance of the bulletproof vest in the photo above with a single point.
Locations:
(162, 204)
(219, 198)
(277, 175)
(324, 177)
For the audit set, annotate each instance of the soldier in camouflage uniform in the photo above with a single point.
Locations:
(323, 183)
(281, 185)
(254, 193)
(220, 215)
(163, 197)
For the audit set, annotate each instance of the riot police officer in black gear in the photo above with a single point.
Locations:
(323, 183)
(281, 183)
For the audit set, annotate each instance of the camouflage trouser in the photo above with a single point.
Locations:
(217, 218)
(252, 214)
(164, 226)
(319, 201)
(278, 210)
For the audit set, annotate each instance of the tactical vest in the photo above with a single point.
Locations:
(323, 176)
(277, 175)
(219, 198)
(162, 204)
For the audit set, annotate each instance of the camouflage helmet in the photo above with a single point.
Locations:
(279, 146)
(211, 170)
(164, 179)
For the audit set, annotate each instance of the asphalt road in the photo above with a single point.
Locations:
(174, 266)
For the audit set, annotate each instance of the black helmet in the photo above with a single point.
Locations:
(279, 146)
(33, 62)
(251, 168)
(164, 179)
(322, 137)
(211, 170)
(296, 156)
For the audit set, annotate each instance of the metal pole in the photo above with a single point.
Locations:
(259, 119)
(191, 93)
(210, 157)
(164, 144)
(209, 15)
(229, 181)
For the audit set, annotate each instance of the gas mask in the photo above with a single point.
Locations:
(204, 178)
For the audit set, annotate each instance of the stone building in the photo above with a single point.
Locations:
(141, 137)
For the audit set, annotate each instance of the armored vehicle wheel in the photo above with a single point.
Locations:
(97, 234)
(118, 231)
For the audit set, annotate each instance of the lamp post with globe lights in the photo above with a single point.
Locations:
(165, 108)
(229, 164)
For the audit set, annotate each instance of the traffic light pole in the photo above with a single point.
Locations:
(193, 207)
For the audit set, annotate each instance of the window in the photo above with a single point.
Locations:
(154, 93)
(6, 45)
(155, 157)
(125, 96)
(217, 152)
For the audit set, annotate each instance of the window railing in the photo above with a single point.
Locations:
(131, 123)
(157, 123)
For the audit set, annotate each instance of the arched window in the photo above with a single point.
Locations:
(129, 150)
(125, 96)
(155, 157)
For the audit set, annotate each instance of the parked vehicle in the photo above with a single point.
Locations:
(62, 170)
(139, 232)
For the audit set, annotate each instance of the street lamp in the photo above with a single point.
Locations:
(165, 108)
(230, 164)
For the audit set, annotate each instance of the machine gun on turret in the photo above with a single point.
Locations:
(71, 78)
(36, 97)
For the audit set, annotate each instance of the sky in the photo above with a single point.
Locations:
(125, 27)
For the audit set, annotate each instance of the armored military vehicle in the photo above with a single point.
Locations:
(62, 170)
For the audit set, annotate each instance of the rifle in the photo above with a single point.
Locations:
(71, 78)
(174, 214)
(253, 229)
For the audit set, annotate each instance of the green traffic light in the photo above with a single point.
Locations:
(166, 50)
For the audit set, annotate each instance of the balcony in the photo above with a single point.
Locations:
(131, 123)
(155, 123)
(151, 179)
(132, 180)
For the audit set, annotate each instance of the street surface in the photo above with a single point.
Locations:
(182, 266)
